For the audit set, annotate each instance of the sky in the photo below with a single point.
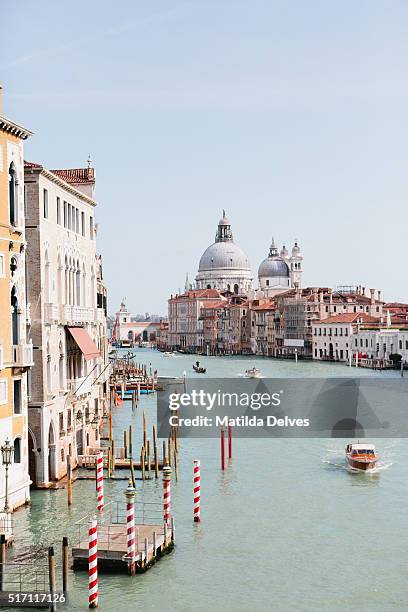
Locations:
(291, 115)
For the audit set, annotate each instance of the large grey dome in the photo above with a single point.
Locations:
(273, 267)
(223, 255)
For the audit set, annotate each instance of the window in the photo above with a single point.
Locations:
(17, 450)
(69, 216)
(91, 228)
(77, 221)
(267, 282)
(61, 422)
(45, 203)
(3, 391)
(65, 214)
(58, 211)
(83, 223)
(17, 396)
(13, 194)
(2, 265)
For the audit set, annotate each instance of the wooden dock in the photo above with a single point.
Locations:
(151, 543)
(153, 538)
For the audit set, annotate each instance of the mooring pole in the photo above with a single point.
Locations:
(166, 494)
(229, 442)
(130, 495)
(93, 563)
(69, 480)
(2, 559)
(65, 565)
(196, 490)
(51, 577)
(222, 448)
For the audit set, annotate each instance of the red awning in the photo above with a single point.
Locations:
(85, 342)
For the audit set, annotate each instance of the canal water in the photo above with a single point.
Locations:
(285, 527)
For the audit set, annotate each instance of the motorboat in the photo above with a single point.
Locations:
(168, 354)
(361, 456)
(252, 373)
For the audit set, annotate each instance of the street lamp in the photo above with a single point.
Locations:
(95, 425)
(7, 452)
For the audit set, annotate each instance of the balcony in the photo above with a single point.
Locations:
(76, 314)
(22, 355)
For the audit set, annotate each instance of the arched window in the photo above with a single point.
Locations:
(15, 315)
(48, 368)
(78, 284)
(61, 367)
(13, 183)
(66, 301)
(17, 450)
(62, 455)
(59, 280)
(235, 288)
(47, 292)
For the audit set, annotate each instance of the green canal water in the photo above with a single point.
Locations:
(285, 527)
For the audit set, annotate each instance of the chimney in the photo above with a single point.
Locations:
(321, 296)
(331, 296)
(372, 296)
(379, 295)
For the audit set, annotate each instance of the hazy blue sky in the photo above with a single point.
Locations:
(291, 115)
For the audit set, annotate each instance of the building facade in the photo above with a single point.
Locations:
(68, 390)
(186, 320)
(131, 330)
(16, 352)
(333, 338)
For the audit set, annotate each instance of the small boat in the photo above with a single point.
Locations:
(168, 354)
(198, 369)
(252, 373)
(361, 457)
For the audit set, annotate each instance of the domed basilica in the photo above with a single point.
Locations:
(224, 266)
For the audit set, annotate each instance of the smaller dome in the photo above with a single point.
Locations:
(296, 249)
(284, 252)
(273, 267)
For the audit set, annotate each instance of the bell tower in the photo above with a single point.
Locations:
(296, 266)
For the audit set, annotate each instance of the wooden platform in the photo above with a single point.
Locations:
(112, 548)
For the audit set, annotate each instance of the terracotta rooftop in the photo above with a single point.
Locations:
(28, 164)
(76, 176)
(214, 304)
(349, 317)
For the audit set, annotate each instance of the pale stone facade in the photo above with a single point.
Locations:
(69, 384)
(333, 338)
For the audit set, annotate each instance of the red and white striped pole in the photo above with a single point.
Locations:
(93, 563)
(166, 494)
(99, 481)
(197, 486)
(130, 521)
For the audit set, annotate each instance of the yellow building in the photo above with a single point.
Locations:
(16, 354)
